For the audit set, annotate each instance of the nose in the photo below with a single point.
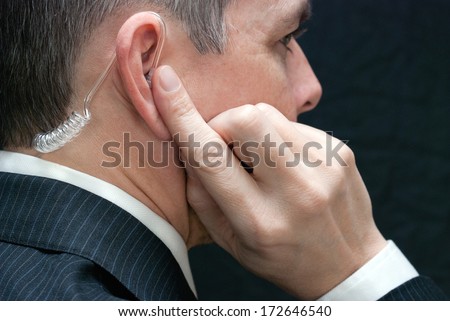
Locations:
(306, 87)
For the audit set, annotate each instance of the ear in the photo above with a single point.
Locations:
(136, 47)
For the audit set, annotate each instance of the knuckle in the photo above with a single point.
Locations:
(264, 107)
(269, 111)
(267, 235)
(348, 156)
(181, 106)
(268, 228)
(314, 200)
(320, 199)
(213, 157)
(246, 117)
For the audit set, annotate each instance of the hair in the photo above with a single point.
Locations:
(41, 40)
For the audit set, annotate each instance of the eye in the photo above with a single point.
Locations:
(293, 35)
(287, 39)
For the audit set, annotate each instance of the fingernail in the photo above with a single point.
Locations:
(169, 80)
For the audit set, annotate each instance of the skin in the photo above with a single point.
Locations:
(256, 67)
(306, 246)
(306, 229)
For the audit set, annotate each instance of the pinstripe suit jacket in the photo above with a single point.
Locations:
(418, 289)
(59, 242)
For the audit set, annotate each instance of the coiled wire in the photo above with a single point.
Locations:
(63, 134)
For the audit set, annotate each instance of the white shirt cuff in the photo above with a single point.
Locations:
(386, 271)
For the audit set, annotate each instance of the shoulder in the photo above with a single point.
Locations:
(31, 274)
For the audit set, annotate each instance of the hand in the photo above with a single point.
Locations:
(306, 227)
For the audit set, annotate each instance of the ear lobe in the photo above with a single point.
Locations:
(138, 43)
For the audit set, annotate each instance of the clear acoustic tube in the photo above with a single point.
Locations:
(57, 138)
(72, 127)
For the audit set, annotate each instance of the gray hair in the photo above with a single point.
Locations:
(41, 40)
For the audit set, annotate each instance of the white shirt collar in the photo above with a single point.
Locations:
(28, 165)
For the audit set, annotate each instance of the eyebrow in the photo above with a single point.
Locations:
(295, 15)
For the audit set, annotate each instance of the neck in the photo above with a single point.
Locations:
(132, 160)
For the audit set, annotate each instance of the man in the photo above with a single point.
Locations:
(78, 225)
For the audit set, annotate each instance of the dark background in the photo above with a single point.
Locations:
(385, 69)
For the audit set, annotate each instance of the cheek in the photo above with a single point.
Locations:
(268, 81)
(245, 81)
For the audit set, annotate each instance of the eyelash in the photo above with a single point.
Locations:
(300, 31)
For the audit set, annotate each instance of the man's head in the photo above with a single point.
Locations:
(228, 53)
(42, 41)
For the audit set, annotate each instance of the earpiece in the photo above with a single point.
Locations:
(149, 76)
